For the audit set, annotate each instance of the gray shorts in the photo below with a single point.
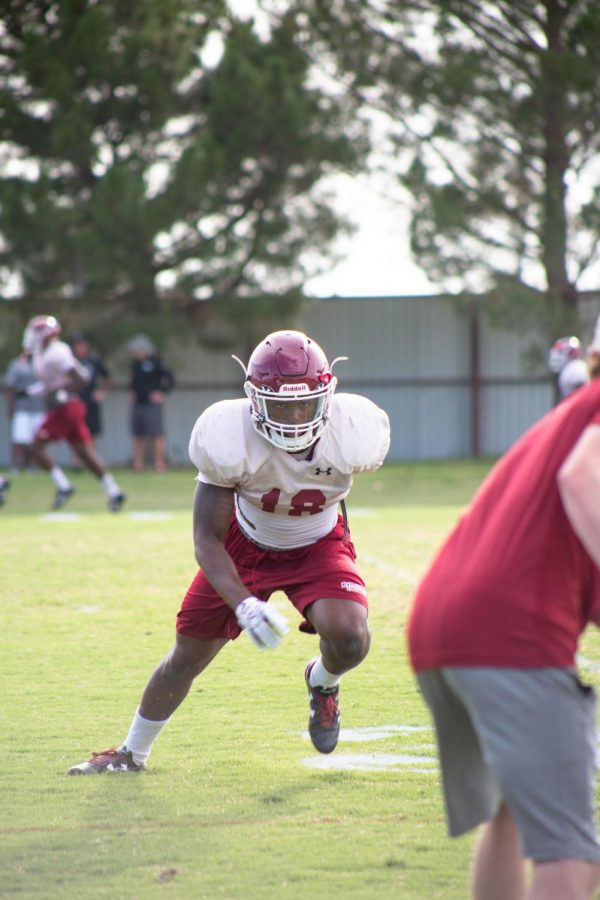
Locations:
(147, 420)
(525, 736)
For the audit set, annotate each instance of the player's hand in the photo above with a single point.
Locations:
(265, 626)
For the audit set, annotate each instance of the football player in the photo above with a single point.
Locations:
(61, 376)
(566, 360)
(273, 469)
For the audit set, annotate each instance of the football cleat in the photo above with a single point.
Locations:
(324, 721)
(107, 761)
(115, 503)
(61, 497)
(4, 486)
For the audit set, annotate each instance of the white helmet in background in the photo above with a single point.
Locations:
(562, 351)
(39, 331)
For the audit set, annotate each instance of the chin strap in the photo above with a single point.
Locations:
(345, 519)
(238, 360)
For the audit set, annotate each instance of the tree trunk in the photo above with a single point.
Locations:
(561, 292)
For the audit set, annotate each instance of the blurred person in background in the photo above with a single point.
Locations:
(565, 360)
(151, 381)
(60, 379)
(273, 469)
(25, 412)
(99, 382)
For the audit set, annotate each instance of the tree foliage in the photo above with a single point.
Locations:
(493, 111)
(138, 181)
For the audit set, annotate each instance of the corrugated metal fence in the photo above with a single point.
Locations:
(452, 386)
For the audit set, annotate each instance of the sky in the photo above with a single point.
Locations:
(376, 259)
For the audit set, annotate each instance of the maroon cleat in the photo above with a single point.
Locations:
(324, 722)
(107, 761)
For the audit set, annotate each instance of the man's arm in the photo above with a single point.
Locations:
(213, 508)
(10, 395)
(104, 382)
(579, 486)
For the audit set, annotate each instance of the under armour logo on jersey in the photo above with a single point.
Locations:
(320, 471)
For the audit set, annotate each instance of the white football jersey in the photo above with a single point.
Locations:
(283, 501)
(53, 363)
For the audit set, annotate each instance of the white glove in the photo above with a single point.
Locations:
(265, 626)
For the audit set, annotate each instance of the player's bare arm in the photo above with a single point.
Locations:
(77, 379)
(579, 485)
(213, 509)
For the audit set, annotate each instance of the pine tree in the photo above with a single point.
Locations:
(493, 111)
(137, 180)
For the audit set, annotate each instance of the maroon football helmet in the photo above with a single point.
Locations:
(289, 368)
(38, 332)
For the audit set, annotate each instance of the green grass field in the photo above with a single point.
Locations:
(234, 803)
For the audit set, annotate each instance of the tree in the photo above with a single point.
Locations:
(138, 181)
(493, 110)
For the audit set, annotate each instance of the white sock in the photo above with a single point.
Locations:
(110, 485)
(141, 736)
(320, 677)
(59, 478)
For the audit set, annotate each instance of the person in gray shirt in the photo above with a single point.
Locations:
(25, 412)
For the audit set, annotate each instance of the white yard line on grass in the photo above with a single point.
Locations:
(591, 664)
(373, 762)
(383, 566)
(377, 732)
(61, 517)
(149, 516)
(141, 516)
(417, 761)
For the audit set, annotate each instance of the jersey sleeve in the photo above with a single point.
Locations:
(363, 432)
(62, 357)
(54, 365)
(64, 360)
(218, 443)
